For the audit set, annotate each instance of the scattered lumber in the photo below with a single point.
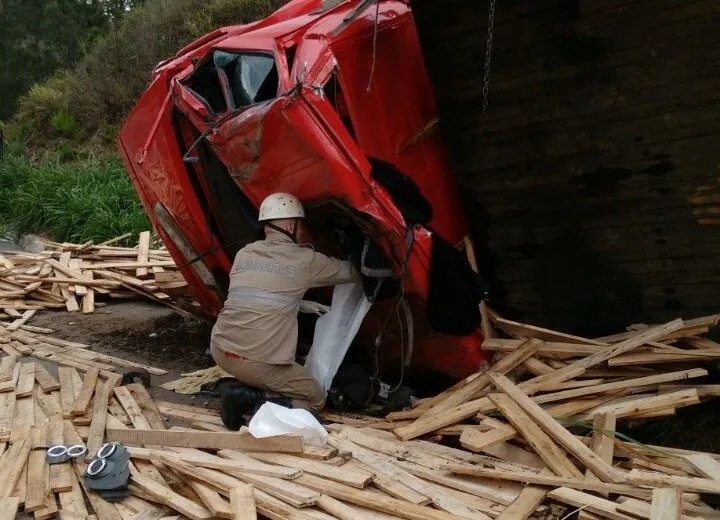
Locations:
(77, 276)
(549, 440)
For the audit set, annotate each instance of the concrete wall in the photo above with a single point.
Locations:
(593, 179)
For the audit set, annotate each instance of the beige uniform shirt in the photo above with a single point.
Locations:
(268, 279)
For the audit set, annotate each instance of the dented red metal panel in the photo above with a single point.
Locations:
(299, 142)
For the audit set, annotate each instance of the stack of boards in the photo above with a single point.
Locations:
(72, 276)
(506, 443)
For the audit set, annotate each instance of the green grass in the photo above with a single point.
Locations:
(73, 202)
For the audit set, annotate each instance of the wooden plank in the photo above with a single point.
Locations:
(473, 389)
(15, 325)
(148, 406)
(645, 405)
(540, 479)
(51, 406)
(391, 486)
(49, 509)
(290, 492)
(636, 382)
(593, 504)
(7, 415)
(240, 462)
(36, 491)
(695, 484)
(14, 462)
(24, 419)
(358, 479)
(143, 253)
(478, 441)
(705, 465)
(526, 503)
(132, 265)
(515, 328)
(373, 501)
(466, 410)
(62, 478)
(99, 417)
(380, 464)
(171, 499)
(47, 382)
(9, 507)
(188, 415)
(592, 461)
(543, 445)
(242, 502)
(216, 504)
(579, 366)
(643, 509)
(647, 358)
(214, 440)
(7, 365)
(127, 401)
(548, 348)
(603, 440)
(702, 390)
(88, 299)
(666, 504)
(118, 412)
(82, 403)
(21, 487)
(537, 367)
(26, 382)
(71, 303)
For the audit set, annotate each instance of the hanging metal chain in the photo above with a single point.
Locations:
(488, 55)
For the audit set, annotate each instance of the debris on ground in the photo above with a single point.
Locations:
(533, 436)
(76, 276)
(192, 382)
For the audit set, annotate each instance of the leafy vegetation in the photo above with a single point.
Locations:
(99, 92)
(40, 36)
(90, 200)
(73, 70)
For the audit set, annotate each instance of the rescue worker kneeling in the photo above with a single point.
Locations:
(255, 336)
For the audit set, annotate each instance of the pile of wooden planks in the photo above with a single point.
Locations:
(531, 437)
(73, 276)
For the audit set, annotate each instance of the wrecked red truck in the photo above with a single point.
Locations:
(329, 101)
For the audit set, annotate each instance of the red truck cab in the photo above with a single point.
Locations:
(329, 101)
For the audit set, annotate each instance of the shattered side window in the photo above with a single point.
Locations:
(253, 77)
(205, 84)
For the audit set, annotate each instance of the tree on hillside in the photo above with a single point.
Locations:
(39, 36)
(116, 9)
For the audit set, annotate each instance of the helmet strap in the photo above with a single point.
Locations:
(292, 236)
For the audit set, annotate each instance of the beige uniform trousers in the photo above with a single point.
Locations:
(291, 380)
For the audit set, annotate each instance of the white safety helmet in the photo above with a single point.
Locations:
(280, 206)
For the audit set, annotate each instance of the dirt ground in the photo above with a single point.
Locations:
(143, 332)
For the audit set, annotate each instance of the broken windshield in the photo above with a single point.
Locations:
(253, 77)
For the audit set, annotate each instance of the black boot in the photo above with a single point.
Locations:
(337, 400)
(237, 401)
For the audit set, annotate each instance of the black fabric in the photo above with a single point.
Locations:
(455, 291)
(413, 205)
(352, 241)
(237, 401)
(357, 385)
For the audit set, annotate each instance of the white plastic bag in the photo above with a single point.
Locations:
(273, 419)
(335, 331)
